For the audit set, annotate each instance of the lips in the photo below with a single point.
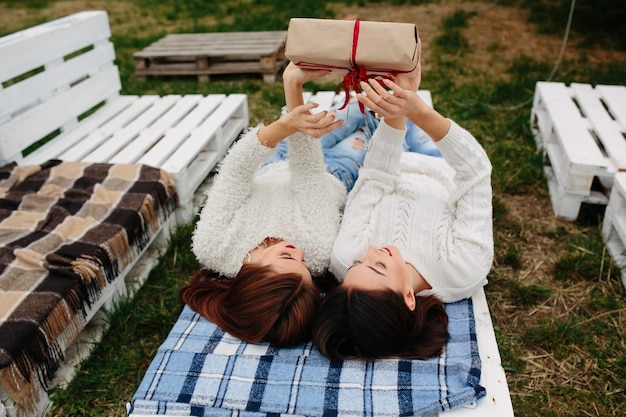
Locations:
(387, 250)
(290, 246)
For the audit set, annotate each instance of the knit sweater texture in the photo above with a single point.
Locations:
(438, 212)
(294, 200)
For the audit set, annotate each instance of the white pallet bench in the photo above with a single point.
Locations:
(497, 402)
(614, 223)
(123, 287)
(183, 135)
(581, 131)
(59, 84)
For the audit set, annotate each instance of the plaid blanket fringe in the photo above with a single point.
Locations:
(67, 230)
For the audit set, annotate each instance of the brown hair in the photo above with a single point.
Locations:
(353, 323)
(258, 304)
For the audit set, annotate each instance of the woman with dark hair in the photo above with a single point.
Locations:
(265, 235)
(416, 232)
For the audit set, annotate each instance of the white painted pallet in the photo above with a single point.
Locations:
(59, 83)
(183, 135)
(614, 223)
(581, 131)
(123, 287)
(497, 402)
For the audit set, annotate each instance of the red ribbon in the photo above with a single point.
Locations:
(356, 73)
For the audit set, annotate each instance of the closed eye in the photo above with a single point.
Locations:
(377, 264)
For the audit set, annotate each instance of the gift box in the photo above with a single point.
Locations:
(361, 49)
(347, 45)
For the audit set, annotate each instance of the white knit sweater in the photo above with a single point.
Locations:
(437, 212)
(297, 201)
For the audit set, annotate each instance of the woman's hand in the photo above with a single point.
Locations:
(402, 101)
(300, 120)
(315, 125)
(294, 75)
(293, 79)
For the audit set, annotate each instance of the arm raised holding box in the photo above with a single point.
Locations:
(264, 236)
(416, 232)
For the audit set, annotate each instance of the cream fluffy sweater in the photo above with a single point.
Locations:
(297, 201)
(437, 212)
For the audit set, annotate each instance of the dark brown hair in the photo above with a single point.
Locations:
(353, 323)
(258, 304)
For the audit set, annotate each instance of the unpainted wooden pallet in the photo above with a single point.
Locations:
(205, 54)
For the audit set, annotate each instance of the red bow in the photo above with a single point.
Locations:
(356, 73)
(351, 80)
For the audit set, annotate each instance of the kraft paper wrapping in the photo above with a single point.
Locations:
(381, 47)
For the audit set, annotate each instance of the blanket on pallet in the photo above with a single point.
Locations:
(67, 230)
(200, 370)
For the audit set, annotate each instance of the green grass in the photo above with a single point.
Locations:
(557, 303)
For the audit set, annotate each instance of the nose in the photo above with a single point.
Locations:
(372, 251)
(295, 252)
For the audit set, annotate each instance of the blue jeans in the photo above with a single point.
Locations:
(344, 148)
(418, 141)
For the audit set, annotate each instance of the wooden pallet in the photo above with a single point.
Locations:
(205, 54)
(614, 223)
(185, 135)
(581, 131)
(59, 84)
(497, 402)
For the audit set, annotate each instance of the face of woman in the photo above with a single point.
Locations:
(284, 257)
(380, 269)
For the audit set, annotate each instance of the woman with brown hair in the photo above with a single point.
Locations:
(416, 232)
(265, 235)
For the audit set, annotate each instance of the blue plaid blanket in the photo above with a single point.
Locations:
(202, 371)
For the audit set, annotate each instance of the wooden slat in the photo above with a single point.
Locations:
(614, 223)
(192, 68)
(614, 96)
(43, 85)
(96, 137)
(607, 129)
(325, 100)
(31, 48)
(192, 172)
(151, 135)
(28, 127)
(230, 44)
(572, 133)
(159, 153)
(87, 126)
(123, 136)
(181, 158)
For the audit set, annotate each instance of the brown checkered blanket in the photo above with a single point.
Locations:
(67, 230)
